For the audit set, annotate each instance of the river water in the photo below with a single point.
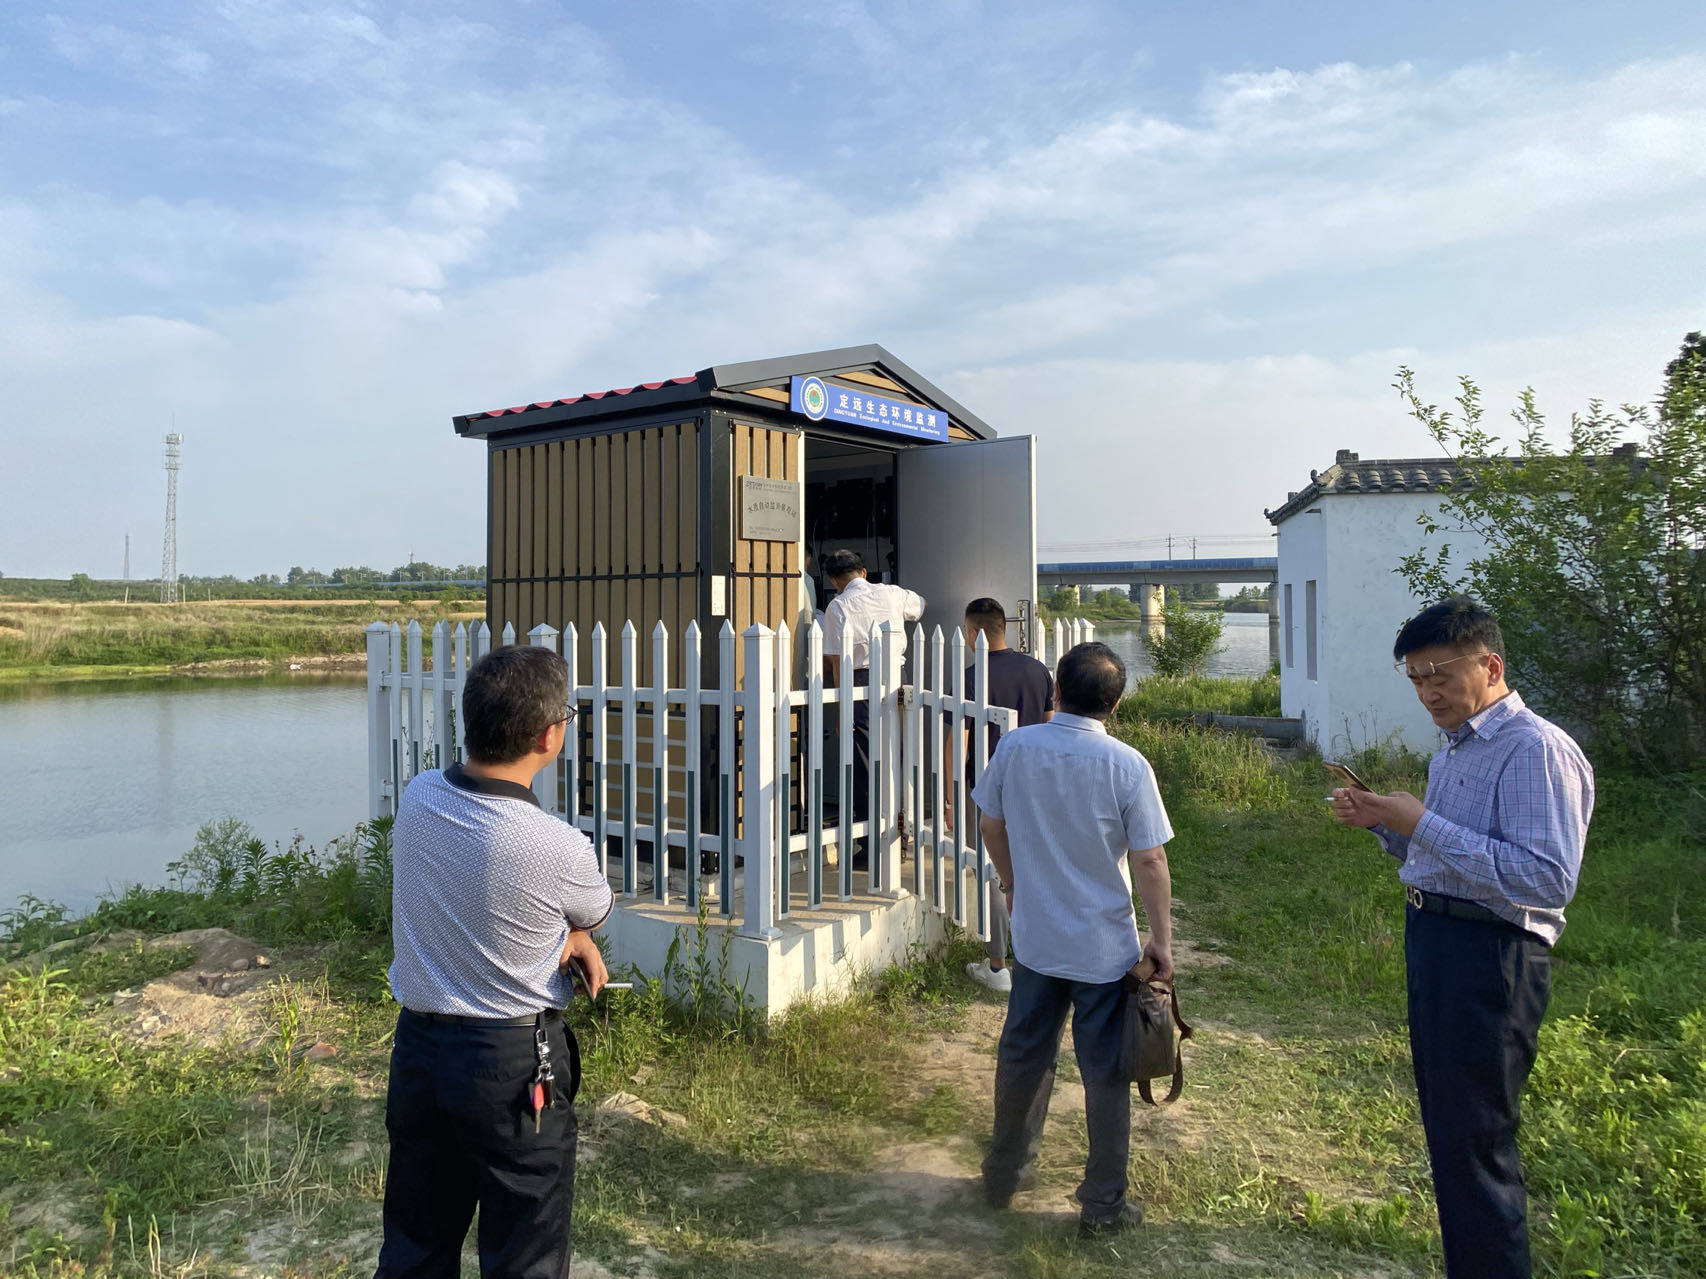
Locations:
(1243, 647)
(103, 783)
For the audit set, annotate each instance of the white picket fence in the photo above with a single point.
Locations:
(736, 773)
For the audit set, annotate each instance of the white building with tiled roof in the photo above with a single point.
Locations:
(1342, 599)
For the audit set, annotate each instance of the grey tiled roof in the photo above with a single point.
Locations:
(1350, 474)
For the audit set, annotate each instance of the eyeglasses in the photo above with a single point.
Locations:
(1427, 670)
(568, 715)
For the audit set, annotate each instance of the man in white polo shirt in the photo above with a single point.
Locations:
(492, 899)
(850, 624)
(1072, 819)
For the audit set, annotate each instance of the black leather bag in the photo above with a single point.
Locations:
(1153, 1031)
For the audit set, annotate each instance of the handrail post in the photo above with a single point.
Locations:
(381, 801)
(758, 794)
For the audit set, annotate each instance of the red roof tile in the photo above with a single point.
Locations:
(588, 395)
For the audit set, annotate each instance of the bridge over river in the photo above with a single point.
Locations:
(1147, 581)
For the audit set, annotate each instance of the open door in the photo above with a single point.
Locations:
(966, 526)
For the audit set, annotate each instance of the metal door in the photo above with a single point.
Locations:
(966, 526)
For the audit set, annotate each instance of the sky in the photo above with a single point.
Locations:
(1185, 245)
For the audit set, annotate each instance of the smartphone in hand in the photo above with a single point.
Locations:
(1346, 775)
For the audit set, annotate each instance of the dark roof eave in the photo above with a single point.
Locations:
(479, 426)
(730, 380)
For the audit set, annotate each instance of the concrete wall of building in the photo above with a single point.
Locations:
(1351, 545)
(1302, 559)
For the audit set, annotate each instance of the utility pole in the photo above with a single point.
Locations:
(127, 568)
(1169, 546)
(1193, 548)
(169, 547)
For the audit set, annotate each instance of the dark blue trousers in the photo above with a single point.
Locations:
(462, 1135)
(1024, 1078)
(1477, 994)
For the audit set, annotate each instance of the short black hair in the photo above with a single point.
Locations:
(841, 563)
(988, 616)
(1457, 622)
(1091, 678)
(513, 694)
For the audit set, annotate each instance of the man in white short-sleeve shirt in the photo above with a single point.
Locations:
(850, 623)
(1072, 820)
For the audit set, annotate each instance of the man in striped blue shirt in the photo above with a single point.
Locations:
(1489, 861)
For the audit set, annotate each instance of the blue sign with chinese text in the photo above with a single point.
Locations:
(825, 402)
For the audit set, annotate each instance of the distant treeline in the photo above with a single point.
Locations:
(461, 581)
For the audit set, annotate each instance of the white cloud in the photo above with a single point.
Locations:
(403, 217)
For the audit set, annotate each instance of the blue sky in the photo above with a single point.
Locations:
(1185, 245)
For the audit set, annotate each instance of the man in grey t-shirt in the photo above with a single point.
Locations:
(1072, 820)
(491, 900)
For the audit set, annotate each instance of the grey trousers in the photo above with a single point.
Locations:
(996, 947)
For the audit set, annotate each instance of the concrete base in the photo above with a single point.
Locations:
(815, 954)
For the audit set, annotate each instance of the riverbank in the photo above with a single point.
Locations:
(846, 1138)
(54, 641)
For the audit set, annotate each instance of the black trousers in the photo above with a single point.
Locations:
(462, 1135)
(1477, 994)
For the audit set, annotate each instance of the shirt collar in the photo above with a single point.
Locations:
(462, 779)
(1486, 723)
(1083, 723)
(854, 585)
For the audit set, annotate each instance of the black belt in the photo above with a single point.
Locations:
(548, 1014)
(1455, 907)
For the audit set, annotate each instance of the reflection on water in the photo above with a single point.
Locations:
(103, 783)
(1244, 647)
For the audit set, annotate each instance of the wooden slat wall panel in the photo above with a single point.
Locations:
(598, 528)
(766, 574)
(553, 607)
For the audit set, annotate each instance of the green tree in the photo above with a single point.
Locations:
(1189, 638)
(1596, 556)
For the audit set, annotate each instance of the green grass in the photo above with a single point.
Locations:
(82, 641)
(1159, 697)
(1295, 1152)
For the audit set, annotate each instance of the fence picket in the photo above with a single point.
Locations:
(381, 728)
(782, 809)
(812, 755)
(577, 726)
(598, 724)
(693, 758)
(758, 788)
(844, 783)
(659, 695)
(508, 634)
(726, 739)
(545, 781)
(628, 697)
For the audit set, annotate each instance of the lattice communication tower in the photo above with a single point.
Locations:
(169, 550)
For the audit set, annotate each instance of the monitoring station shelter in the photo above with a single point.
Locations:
(669, 536)
(712, 497)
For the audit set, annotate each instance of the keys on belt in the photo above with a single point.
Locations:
(541, 1092)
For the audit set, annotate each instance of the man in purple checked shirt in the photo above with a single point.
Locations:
(1489, 861)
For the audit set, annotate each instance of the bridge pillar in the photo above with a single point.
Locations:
(1150, 600)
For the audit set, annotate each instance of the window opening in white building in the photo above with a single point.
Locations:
(1309, 626)
(1290, 647)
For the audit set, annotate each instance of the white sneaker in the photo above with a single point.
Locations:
(998, 979)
